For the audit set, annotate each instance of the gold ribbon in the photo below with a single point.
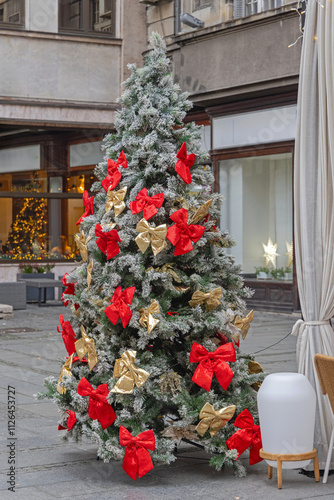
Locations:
(201, 212)
(243, 324)
(213, 419)
(81, 242)
(89, 273)
(128, 374)
(210, 299)
(170, 382)
(86, 345)
(65, 370)
(254, 368)
(115, 199)
(166, 268)
(146, 316)
(179, 433)
(151, 235)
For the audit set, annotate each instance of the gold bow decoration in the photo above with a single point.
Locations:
(156, 236)
(243, 324)
(166, 268)
(115, 199)
(128, 374)
(178, 433)
(146, 316)
(170, 382)
(65, 370)
(214, 420)
(86, 345)
(81, 242)
(201, 212)
(210, 299)
(89, 273)
(255, 368)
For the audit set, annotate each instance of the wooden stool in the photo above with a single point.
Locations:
(290, 458)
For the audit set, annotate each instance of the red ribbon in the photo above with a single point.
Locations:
(137, 459)
(98, 407)
(119, 305)
(248, 436)
(107, 242)
(68, 335)
(89, 206)
(114, 176)
(212, 363)
(184, 164)
(70, 290)
(171, 313)
(181, 234)
(222, 338)
(147, 203)
(71, 421)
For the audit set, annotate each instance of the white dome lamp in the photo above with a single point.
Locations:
(286, 403)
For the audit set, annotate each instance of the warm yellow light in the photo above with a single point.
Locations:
(270, 253)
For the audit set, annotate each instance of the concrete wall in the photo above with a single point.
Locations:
(66, 69)
(133, 34)
(160, 18)
(238, 58)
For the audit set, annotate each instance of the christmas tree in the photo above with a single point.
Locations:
(157, 303)
(28, 231)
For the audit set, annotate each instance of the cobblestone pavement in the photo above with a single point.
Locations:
(48, 468)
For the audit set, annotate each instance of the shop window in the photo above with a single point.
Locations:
(11, 13)
(39, 214)
(87, 16)
(258, 209)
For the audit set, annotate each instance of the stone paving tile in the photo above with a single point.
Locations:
(48, 468)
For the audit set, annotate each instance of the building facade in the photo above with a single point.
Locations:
(63, 62)
(62, 65)
(241, 68)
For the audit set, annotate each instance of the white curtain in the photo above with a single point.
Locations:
(314, 203)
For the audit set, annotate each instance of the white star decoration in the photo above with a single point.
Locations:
(270, 252)
(289, 247)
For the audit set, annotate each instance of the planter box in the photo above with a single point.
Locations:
(32, 293)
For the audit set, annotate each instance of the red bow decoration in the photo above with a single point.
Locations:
(114, 176)
(76, 358)
(98, 408)
(119, 305)
(71, 421)
(137, 459)
(181, 234)
(107, 242)
(68, 335)
(248, 436)
(147, 203)
(184, 164)
(70, 290)
(171, 313)
(89, 206)
(212, 363)
(222, 338)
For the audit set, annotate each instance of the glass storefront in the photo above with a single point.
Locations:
(39, 214)
(257, 210)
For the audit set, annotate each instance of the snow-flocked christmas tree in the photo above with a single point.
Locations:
(157, 303)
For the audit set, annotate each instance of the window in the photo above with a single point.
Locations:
(244, 8)
(39, 213)
(11, 13)
(258, 207)
(87, 16)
